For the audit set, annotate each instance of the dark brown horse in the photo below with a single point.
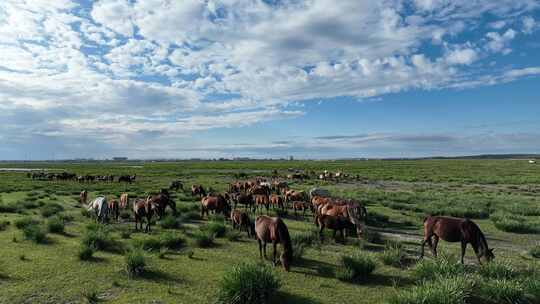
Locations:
(243, 199)
(241, 220)
(143, 208)
(217, 203)
(273, 229)
(300, 206)
(336, 223)
(261, 200)
(162, 200)
(198, 190)
(455, 230)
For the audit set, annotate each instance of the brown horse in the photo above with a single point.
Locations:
(217, 203)
(260, 190)
(198, 190)
(83, 197)
(349, 211)
(124, 200)
(273, 229)
(300, 206)
(114, 208)
(143, 208)
(243, 199)
(336, 223)
(261, 201)
(455, 230)
(241, 220)
(294, 195)
(162, 200)
(277, 200)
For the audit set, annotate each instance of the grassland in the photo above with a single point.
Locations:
(502, 196)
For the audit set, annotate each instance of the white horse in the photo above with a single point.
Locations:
(100, 207)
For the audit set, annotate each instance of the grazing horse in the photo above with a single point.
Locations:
(217, 203)
(143, 208)
(176, 185)
(260, 201)
(349, 211)
(114, 208)
(100, 207)
(124, 200)
(336, 223)
(83, 197)
(127, 178)
(241, 220)
(277, 200)
(198, 190)
(273, 229)
(455, 230)
(300, 206)
(244, 199)
(161, 201)
(294, 195)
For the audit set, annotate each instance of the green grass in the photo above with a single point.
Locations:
(356, 267)
(397, 193)
(444, 290)
(249, 284)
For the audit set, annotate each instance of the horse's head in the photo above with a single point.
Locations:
(286, 259)
(488, 255)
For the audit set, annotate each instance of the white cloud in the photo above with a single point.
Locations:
(173, 67)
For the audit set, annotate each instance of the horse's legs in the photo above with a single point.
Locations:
(274, 243)
(428, 241)
(435, 243)
(260, 248)
(264, 250)
(463, 247)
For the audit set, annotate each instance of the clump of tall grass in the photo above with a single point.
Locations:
(393, 255)
(356, 268)
(514, 223)
(502, 291)
(216, 228)
(4, 225)
(85, 252)
(35, 233)
(203, 238)
(442, 266)
(56, 224)
(135, 262)
(99, 237)
(443, 290)
(171, 240)
(190, 216)
(51, 209)
(170, 222)
(498, 270)
(25, 221)
(248, 284)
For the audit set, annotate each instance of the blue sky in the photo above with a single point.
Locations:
(232, 78)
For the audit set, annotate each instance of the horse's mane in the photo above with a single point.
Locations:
(284, 237)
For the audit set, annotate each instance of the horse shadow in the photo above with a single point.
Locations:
(286, 297)
(159, 276)
(318, 268)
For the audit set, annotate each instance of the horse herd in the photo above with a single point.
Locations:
(256, 196)
(87, 178)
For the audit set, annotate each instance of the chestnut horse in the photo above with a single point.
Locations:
(143, 208)
(336, 223)
(260, 201)
(162, 200)
(83, 197)
(455, 230)
(198, 190)
(273, 229)
(241, 220)
(124, 200)
(277, 200)
(216, 203)
(114, 208)
(351, 211)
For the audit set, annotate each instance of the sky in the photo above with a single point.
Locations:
(268, 78)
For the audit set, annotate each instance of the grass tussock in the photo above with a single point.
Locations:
(248, 284)
(35, 233)
(443, 290)
(203, 238)
(56, 224)
(356, 268)
(170, 222)
(51, 209)
(135, 262)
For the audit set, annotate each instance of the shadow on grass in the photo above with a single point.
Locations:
(285, 297)
(316, 268)
(159, 276)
